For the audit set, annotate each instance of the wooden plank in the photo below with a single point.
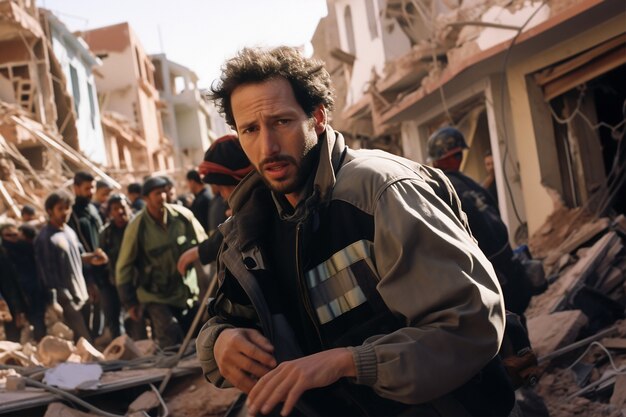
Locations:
(580, 271)
(582, 59)
(66, 151)
(9, 200)
(614, 343)
(583, 235)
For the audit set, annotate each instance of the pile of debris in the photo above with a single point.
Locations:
(576, 326)
(34, 161)
(33, 377)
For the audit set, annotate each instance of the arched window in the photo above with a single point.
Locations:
(371, 18)
(347, 16)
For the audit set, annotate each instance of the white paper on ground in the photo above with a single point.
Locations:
(74, 376)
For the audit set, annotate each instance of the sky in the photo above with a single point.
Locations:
(199, 34)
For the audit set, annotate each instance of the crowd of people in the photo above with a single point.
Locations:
(113, 261)
(351, 282)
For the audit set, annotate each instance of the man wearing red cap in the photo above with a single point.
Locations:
(224, 166)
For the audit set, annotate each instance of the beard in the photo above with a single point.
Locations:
(304, 168)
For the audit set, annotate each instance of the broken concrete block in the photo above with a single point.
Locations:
(74, 358)
(618, 398)
(147, 347)
(618, 343)
(87, 352)
(61, 331)
(145, 402)
(121, 347)
(15, 358)
(5, 373)
(6, 346)
(549, 332)
(29, 349)
(62, 410)
(15, 383)
(52, 350)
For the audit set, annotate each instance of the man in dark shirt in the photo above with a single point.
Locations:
(225, 164)
(118, 212)
(86, 222)
(134, 195)
(60, 262)
(21, 254)
(445, 150)
(201, 200)
(103, 190)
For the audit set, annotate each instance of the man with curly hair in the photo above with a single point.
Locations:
(350, 283)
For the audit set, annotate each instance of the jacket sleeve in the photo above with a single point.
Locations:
(229, 309)
(126, 273)
(209, 249)
(435, 278)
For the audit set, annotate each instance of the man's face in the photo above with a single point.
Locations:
(156, 199)
(119, 212)
(84, 190)
(170, 193)
(10, 234)
(489, 164)
(275, 133)
(102, 195)
(59, 214)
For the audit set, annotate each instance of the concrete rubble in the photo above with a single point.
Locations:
(577, 326)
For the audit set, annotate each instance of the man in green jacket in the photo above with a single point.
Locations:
(146, 275)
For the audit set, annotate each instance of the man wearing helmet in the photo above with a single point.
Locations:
(445, 151)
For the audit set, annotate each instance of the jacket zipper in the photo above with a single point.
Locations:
(303, 291)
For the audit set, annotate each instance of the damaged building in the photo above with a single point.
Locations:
(536, 84)
(191, 122)
(129, 102)
(42, 128)
(539, 86)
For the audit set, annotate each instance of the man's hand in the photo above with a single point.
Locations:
(243, 356)
(95, 258)
(291, 379)
(189, 256)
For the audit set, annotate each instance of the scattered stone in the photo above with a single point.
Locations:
(15, 383)
(618, 398)
(87, 352)
(53, 350)
(121, 347)
(551, 331)
(62, 410)
(145, 402)
(61, 331)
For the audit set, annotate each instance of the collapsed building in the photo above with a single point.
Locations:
(540, 86)
(46, 131)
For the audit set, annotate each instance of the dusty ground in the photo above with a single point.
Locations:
(195, 397)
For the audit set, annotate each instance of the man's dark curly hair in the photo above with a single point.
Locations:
(309, 79)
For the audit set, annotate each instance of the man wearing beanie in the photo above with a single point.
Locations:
(224, 166)
(146, 275)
